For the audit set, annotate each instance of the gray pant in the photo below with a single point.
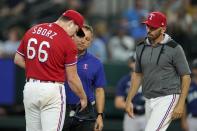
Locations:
(136, 124)
(192, 123)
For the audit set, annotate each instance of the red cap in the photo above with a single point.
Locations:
(75, 16)
(156, 20)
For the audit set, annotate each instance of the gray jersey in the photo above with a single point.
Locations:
(161, 66)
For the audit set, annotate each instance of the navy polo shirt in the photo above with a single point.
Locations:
(122, 90)
(91, 73)
(192, 99)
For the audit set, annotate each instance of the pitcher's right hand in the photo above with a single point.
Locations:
(83, 102)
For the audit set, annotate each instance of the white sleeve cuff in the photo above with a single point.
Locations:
(71, 64)
(20, 53)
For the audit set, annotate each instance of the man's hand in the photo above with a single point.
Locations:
(135, 84)
(83, 103)
(99, 123)
(129, 109)
(178, 111)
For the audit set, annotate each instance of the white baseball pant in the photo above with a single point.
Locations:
(44, 106)
(158, 112)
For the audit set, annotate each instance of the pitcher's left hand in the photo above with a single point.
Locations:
(178, 111)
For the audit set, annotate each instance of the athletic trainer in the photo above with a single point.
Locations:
(92, 75)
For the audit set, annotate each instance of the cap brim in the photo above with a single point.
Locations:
(147, 23)
(144, 22)
(80, 33)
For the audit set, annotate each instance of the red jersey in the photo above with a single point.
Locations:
(47, 49)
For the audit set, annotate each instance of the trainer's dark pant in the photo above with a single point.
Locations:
(70, 125)
(73, 124)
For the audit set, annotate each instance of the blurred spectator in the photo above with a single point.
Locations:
(81, 5)
(194, 23)
(133, 18)
(100, 7)
(121, 46)
(12, 43)
(1, 49)
(12, 110)
(12, 8)
(98, 49)
(185, 20)
(59, 1)
(3, 111)
(137, 124)
(16, 110)
(98, 46)
(74, 4)
(192, 99)
(101, 31)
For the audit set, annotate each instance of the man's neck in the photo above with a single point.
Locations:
(158, 40)
(82, 52)
(61, 24)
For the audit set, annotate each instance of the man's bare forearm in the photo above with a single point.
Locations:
(100, 100)
(120, 102)
(76, 86)
(186, 80)
(136, 82)
(74, 81)
(19, 60)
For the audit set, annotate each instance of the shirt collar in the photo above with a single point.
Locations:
(83, 55)
(164, 41)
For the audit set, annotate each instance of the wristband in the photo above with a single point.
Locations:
(102, 114)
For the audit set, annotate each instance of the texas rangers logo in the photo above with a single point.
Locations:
(85, 66)
(151, 16)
